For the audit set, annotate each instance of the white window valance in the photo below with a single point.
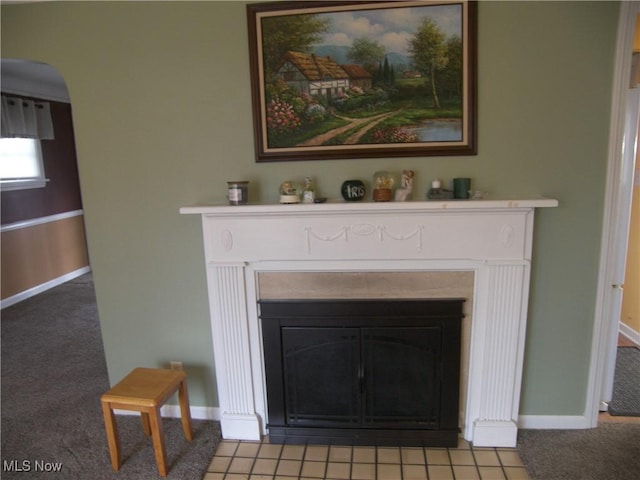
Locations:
(24, 118)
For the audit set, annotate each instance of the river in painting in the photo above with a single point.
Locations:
(439, 130)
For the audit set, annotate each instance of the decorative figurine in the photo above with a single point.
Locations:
(308, 194)
(403, 193)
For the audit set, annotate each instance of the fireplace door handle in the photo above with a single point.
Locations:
(361, 377)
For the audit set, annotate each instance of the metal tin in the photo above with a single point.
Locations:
(238, 192)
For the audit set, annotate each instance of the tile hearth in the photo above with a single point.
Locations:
(248, 460)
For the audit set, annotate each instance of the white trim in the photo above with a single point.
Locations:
(630, 333)
(554, 422)
(173, 411)
(40, 220)
(603, 324)
(7, 302)
(22, 184)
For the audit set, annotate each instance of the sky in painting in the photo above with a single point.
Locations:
(390, 27)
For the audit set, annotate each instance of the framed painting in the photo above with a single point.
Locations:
(353, 79)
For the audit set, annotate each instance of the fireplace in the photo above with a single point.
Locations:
(489, 241)
(362, 372)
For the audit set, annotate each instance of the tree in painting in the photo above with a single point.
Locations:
(429, 53)
(367, 53)
(289, 33)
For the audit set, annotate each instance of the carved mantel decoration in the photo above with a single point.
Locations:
(490, 238)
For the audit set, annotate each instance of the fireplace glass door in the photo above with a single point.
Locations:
(362, 371)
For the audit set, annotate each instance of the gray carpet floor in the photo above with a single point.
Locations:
(53, 374)
(609, 452)
(626, 387)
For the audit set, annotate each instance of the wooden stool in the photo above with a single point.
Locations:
(145, 390)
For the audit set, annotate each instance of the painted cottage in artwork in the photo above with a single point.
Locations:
(313, 75)
(358, 76)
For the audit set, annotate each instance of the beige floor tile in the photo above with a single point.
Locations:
(510, 458)
(515, 473)
(236, 476)
(289, 468)
(364, 455)
(461, 457)
(317, 453)
(292, 452)
(487, 458)
(491, 473)
(247, 449)
(255, 461)
(313, 469)
(338, 471)
(270, 451)
(219, 464)
(413, 456)
(438, 457)
(213, 476)
(414, 472)
(388, 471)
(440, 472)
(466, 472)
(226, 448)
(388, 455)
(363, 471)
(265, 466)
(340, 454)
(240, 465)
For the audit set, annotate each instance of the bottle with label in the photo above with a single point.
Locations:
(308, 194)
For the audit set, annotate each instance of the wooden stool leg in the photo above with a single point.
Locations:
(158, 440)
(185, 412)
(112, 435)
(146, 428)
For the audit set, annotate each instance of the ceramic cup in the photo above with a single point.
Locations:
(461, 187)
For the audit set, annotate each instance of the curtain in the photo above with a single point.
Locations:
(23, 118)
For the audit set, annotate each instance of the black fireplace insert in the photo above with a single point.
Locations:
(363, 372)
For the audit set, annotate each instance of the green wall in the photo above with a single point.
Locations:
(162, 111)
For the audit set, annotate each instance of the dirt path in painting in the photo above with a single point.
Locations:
(366, 124)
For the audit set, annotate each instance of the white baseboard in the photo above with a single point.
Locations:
(173, 411)
(554, 422)
(629, 333)
(43, 287)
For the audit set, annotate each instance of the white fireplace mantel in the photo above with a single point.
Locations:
(491, 238)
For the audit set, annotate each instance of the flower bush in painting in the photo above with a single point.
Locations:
(281, 117)
(393, 135)
(315, 113)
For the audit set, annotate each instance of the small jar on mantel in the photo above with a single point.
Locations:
(382, 186)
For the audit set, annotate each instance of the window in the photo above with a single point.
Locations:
(21, 164)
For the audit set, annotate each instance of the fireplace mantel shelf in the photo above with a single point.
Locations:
(490, 238)
(341, 207)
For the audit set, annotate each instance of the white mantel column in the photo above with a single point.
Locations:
(230, 330)
(499, 354)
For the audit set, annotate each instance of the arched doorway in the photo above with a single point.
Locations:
(42, 228)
